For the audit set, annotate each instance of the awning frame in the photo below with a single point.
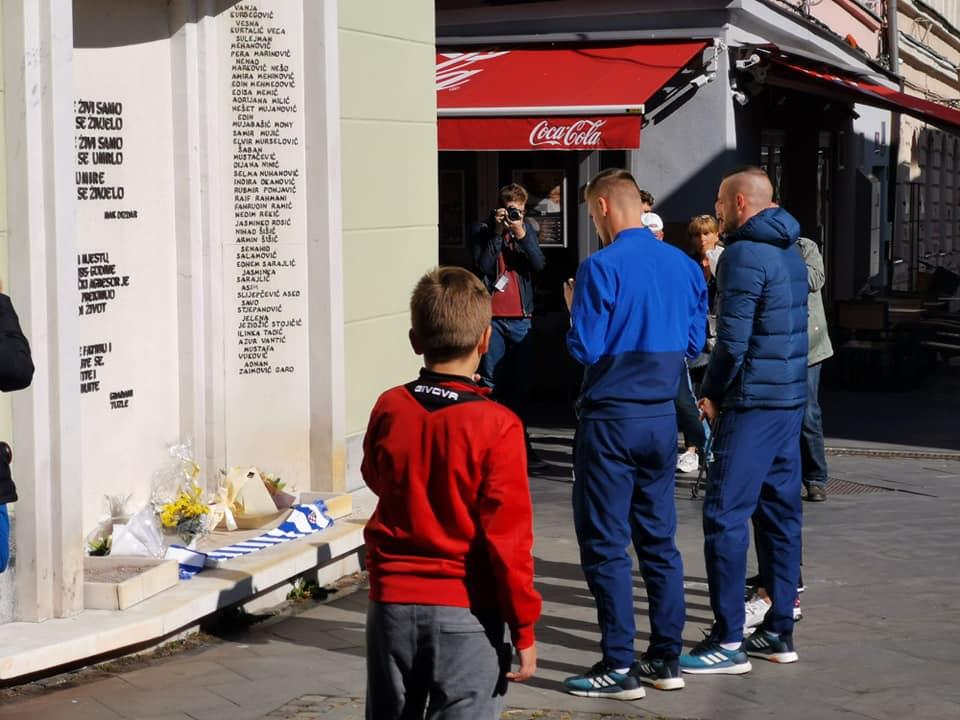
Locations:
(542, 110)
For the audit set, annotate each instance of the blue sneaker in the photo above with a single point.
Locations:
(661, 673)
(709, 658)
(602, 681)
(771, 646)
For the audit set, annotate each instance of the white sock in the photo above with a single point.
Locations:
(730, 646)
(622, 671)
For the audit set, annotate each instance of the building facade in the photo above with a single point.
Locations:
(217, 212)
(928, 157)
(755, 92)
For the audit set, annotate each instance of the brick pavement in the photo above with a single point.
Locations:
(878, 639)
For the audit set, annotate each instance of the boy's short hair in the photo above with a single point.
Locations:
(612, 180)
(514, 192)
(449, 310)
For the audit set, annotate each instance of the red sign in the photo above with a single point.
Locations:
(557, 76)
(535, 133)
(552, 97)
(880, 96)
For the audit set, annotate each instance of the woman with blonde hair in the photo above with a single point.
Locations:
(703, 235)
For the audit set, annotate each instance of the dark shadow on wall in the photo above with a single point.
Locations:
(115, 23)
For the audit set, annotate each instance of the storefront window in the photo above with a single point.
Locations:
(545, 205)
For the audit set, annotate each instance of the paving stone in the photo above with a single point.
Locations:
(877, 642)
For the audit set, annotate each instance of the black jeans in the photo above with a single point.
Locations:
(812, 454)
(688, 414)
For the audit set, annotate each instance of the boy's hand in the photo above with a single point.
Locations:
(708, 410)
(528, 664)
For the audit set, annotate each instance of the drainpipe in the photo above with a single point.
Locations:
(893, 211)
(893, 42)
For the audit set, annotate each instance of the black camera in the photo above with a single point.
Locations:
(513, 214)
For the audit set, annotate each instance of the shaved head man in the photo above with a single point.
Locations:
(637, 309)
(741, 196)
(754, 392)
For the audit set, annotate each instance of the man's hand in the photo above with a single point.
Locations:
(528, 664)
(568, 292)
(517, 228)
(708, 410)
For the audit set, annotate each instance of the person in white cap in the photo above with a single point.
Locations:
(654, 223)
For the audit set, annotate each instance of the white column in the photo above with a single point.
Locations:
(198, 247)
(324, 247)
(38, 40)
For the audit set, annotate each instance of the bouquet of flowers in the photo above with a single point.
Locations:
(186, 514)
(178, 499)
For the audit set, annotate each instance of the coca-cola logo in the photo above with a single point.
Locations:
(457, 69)
(580, 133)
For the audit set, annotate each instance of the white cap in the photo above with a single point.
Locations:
(652, 221)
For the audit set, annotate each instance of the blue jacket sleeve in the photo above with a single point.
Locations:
(530, 248)
(593, 299)
(740, 280)
(485, 245)
(697, 336)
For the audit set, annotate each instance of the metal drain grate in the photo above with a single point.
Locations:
(836, 486)
(897, 453)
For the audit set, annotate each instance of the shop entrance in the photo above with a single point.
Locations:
(468, 183)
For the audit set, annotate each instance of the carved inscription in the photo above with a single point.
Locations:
(266, 179)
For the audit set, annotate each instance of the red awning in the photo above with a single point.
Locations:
(552, 98)
(880, 96)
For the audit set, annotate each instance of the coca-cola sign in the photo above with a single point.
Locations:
(457, 69)
(569, 134)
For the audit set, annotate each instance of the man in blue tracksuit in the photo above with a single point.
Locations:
(754, 390)
(638, 307)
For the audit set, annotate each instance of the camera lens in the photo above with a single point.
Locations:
(513, 214)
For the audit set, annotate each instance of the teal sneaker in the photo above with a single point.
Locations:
(602, 681)
(771, 646)
(709, 658)
(661, 673)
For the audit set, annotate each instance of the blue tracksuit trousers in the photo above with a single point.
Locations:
(624, 490)
(755, 472)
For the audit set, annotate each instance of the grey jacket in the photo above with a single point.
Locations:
(817, 336)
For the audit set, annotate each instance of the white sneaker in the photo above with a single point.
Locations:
(688, 462)
(754, 611)
(756, 608)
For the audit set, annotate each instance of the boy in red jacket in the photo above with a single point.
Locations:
(449, 544)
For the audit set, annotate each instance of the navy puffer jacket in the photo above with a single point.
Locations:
(760, 359)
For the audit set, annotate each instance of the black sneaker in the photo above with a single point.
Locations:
(771, 646)
(816, 493)
(602, 681)
(661, 673)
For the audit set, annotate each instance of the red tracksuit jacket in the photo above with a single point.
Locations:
(454, 523)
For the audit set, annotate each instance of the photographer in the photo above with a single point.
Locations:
(506, 253)
(16, 372)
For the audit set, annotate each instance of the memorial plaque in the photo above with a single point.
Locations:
(126, 362)
(264, 225)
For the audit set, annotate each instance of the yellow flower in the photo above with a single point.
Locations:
(185, 506)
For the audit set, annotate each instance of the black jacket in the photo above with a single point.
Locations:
(16, 372)
(487, 246)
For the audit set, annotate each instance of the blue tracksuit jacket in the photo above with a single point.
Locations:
(639, 307)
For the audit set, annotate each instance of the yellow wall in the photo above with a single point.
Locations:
(389, 160)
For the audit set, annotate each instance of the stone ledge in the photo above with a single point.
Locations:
(28, 649)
